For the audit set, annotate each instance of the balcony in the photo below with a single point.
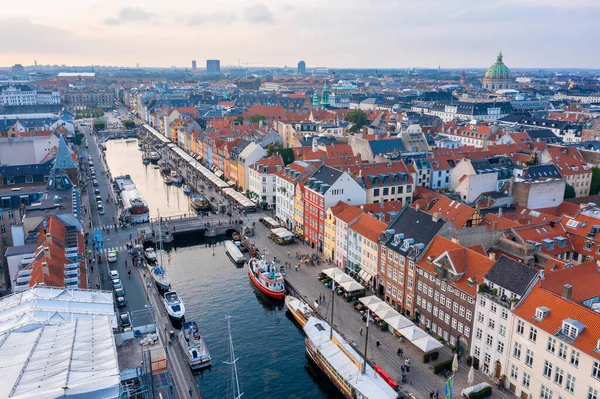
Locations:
(72, 266)
(71, 281)
(23, 280)
(72, 272)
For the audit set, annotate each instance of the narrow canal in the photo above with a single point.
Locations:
(269, 345)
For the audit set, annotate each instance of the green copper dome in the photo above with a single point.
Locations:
(498, 70)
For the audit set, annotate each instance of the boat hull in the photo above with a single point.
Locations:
(314, 356)
(238, 262)
(270, 293)
(295, 312)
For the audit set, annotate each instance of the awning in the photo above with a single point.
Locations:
(365, 276)
(398, 322)
(427, 344)
(367, 300)
(412, 333)
(352, 286)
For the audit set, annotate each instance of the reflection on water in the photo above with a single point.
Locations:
(125, 158)
(269, 346)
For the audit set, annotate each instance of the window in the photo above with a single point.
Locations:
(545, 393)
(570, 386)
(592, 393)
(478, 333)
(469, 315)
(520, 327)
(526, 380)
(461, 311)
(504, 314)
(562, 351)
(596, 370)
(547, 368)
(502, 330)
(477, 351)
(11, 214)
(489, 340)
(514, 372)
(517, 350)
(491, 324)
(467, 332)
(532, 334)
(500, 347)
(574, 358)
(480, 317)
(487, 358)
(482, 302)
(529, 358)
(558, 376)
(493, 307)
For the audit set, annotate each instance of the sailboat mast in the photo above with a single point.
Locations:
(332, 301)
(364, 366)
(160, 245)
(237, 393)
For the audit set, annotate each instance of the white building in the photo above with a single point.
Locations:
(249, 155)
(555, 340)
(48, 97)
(17, 95)
(506, 283)
(261, 180)
(285, 183)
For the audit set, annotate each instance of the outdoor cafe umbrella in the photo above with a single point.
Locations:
(471, 376)
(368, 300)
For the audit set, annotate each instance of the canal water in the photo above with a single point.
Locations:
(268, 344)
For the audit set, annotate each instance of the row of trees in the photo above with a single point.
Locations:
(89, 113)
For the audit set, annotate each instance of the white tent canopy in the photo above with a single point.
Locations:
(367, 300)
(412, 333)
(427, 344)
(397, 322)
(340, 278)
(351, 286)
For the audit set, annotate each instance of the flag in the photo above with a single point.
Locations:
(449, 386)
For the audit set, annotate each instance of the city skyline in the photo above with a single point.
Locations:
(389, 34)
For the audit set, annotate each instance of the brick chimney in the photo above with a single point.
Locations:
(47, 253)
(567, 290)
(492, 255)
(48, 238)
(455, 240)
(436, 216)
(45, 269)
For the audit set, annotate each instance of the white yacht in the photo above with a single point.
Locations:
(193, 346)
(174, 306)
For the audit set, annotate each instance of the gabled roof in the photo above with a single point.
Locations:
(451, 210)
(511, 275)
(325, 175)
(584, 278)
(368, 227)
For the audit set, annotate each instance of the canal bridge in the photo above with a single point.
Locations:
(172, 226)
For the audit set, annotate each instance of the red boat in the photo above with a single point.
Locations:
(267, 278)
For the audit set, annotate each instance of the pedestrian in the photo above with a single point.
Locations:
(378, 344)
(402, 369)
(191, 392)
(431, 394)
(407, 366)
(400, 352)
(288, 253)
(437, 394)
(296, 267)
(360, 331)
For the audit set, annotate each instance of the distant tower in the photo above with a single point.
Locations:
(193, 65)
(213, 66)
(325, 96)
(463, 78)
(301, 68)
(315, 101)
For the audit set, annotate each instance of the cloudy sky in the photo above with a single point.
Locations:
(333, 33)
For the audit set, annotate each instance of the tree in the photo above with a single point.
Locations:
(358, 118)
(239, 119)
(257, 118)
(99, 124)
(595, 185)
(128, 124)
(286, 153)
(569, 191)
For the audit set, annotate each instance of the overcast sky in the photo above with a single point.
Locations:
(333, 33)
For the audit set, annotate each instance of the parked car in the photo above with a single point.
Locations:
(100, 209)
(120, 297)
(125, 321)
(114, 275)
(117, 283)
(97, 191)
(95, 183)
(112, 256)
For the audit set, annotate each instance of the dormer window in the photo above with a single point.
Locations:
(572, 328)
(541, 312)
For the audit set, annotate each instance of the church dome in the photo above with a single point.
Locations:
(498, 70)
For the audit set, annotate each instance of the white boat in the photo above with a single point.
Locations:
(160, 278)
(174, 306)
(150, 254)
(299, 310)
(343, 364)
(154, 157)
(234, 253)
(193, 346)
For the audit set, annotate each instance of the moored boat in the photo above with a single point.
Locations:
(266, 277)
(196, 352)
(234, 253)
(160, 278)
(174, 306)
(176, 178)
(153, 157)
(299, 310)
(187, 190)
(167, 180)
(150, 254)
(198, 203)
(145, 161)
(342, 364)
(135, 207)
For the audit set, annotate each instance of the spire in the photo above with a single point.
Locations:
(315, 101)
(63, 159)
(499, 58)
(325, 96)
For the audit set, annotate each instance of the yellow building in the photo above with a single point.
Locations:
(329, 239)
(299, 208)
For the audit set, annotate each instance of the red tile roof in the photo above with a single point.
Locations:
(451, 210)
(368, 227)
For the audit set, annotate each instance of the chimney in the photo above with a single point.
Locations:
(47, 253)
(45, 269)
(48, 238)
(511, 185)
(500, 212)
(436, 216)
(492, 255)
(567, 290)
(455, 240)
(417, 206)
